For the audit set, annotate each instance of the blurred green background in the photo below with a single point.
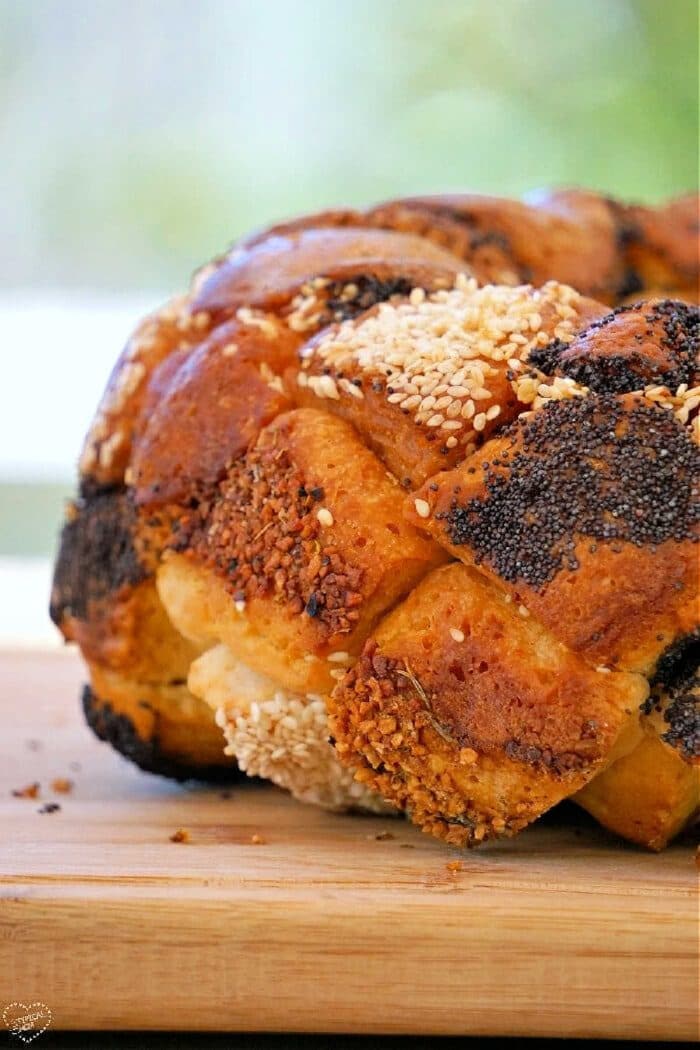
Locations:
(139, 138)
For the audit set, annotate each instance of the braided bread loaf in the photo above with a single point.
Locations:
(402, 479)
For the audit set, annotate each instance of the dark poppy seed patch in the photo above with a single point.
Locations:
(584, 467)
(676, 327)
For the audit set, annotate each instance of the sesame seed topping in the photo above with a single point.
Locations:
(283, 737)
(642, 330)
(201, 320)
(325, 517)
(457, 634)
(261, 531)
(435, 355)
(339, 657)
(257, 319)
(422, 508)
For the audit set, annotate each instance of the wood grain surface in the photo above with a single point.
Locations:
(331, 923)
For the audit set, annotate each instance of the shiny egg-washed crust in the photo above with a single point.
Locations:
(606, 249)
(202, 379)
(473, 718)
(661, 247)
(631, 348)
(574, 245)
(235, 373)
(107, 447)
(267, 277)
(573, 236)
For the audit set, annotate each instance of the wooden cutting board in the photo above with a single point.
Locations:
(331, 923)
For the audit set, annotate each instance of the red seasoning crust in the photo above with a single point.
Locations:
(306, 539)
(475, 718)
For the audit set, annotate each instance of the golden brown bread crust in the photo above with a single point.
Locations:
(648, 795)
(594, 533)
(104, 598)
(661, 246)
(569, 235)
(107, 446)
(163, 729)
(604, 248)
(236, 374)
(632, 348)
(587, 511)
(270, 273)
(177, 444)
(486, 253)
(537, 244)
(174, 363)
(473, 717)
(653, 792)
